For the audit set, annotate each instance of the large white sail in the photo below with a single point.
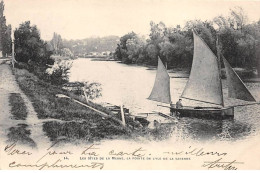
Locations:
(161, 88)
(236, 87)
(204, 83)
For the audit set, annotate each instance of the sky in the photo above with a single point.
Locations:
(79, 19)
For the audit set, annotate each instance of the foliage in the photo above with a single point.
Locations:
(92, 90)
(84, 90)
(58, 74)
(121, 50)
(31, 50)
(66, 52)
(174, 45)
(56, 44)
(30, 47)
(5, 33)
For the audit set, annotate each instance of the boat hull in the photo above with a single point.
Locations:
(204, 113)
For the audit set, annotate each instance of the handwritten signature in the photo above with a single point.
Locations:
(227, 165)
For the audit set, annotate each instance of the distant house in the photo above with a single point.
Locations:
(106, 53)
(93, 53)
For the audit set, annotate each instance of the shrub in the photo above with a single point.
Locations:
(58, 74)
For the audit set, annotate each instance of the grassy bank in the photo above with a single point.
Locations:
(18, 108)
(78, 122)
(19, 134)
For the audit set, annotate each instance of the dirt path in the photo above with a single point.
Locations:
(9, 85)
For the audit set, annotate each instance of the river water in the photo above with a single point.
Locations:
(130, 85)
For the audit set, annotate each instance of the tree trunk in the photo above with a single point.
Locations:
(258, 58)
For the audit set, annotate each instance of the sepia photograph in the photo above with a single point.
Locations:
(129, 85)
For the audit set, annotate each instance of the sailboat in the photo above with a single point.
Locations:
(204, 85)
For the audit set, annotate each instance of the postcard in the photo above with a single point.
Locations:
(129, 85)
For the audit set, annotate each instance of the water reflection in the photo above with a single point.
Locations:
(205, 130)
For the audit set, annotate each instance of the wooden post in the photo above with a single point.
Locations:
(13, 60)
(85, 94)
(219, 67)
(122, 115)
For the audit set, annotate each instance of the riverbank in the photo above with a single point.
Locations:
(59, 58)
(66, 119)
(249, 75)
(34, 116)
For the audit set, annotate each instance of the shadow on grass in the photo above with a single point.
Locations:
(18, 108)
(20, 135)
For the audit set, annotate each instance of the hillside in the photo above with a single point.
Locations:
(93, 44)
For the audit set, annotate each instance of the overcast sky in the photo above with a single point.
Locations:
(78, 19)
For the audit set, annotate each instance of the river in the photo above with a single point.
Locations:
(130, 85)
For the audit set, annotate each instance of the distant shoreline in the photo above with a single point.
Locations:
(246, 75)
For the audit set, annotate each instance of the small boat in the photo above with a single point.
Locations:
(204, 85)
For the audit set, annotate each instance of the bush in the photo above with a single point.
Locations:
(58, 74)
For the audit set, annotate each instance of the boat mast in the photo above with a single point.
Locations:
(219, 67)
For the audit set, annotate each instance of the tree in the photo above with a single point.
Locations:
(239, 42)
(258, 58)
(134, 47)
(257, 47)
(66, 52)
(157, 36)
(237, 39)
(221, 22)
(158, 32)
(121, 50)
(56, 43)
(152, 52)
(5, 33)
(205, 30)
(238, 18)
(181, 47)
(167, 50)
(7, 41)
(30, 48)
